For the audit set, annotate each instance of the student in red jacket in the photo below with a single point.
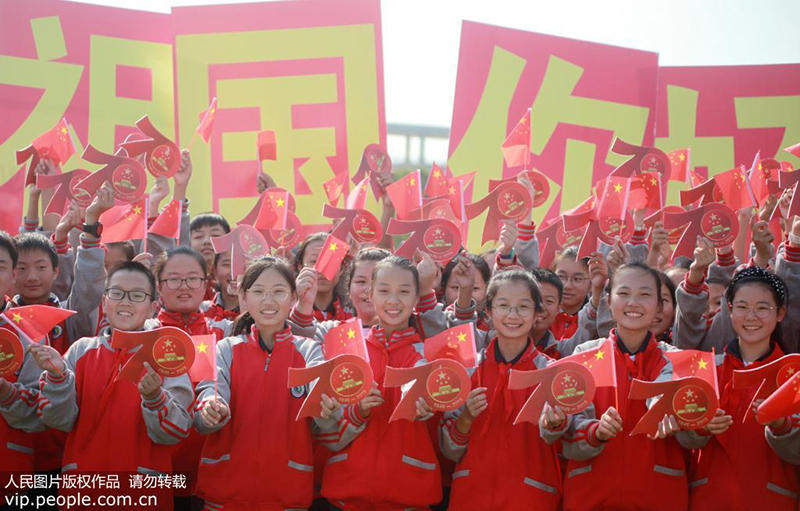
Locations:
(738, 466)
(181, 276)
(19, 392)
(574, 275)
(225, 304)
(327, 304)
(257, 455)
(502, 466)
(389, 465)
(114, 426)
(608, 468)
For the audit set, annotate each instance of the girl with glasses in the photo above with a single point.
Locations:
(82, 398)
(502, 465)
(256, 454)
(181, 276)
(739, 461)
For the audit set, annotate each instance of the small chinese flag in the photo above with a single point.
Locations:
(694, 363)
(330, 258)
(455, 192)
(56, 144)
(759, 179)
(273, 212)
(695, 179)
(334, 187)
(782, 403)
(646, 192)
(207, 121)
(346, 339)
(125, 222)
(517, 146)
(735, 189)
(794, 150)
(437, 182)
(406, 195)
(267, 148)
(35, 321)
(357, 198)
(613, 201)
(679, 159)
(168, 223)
(457, 343)
(204, 367)
(599, 361)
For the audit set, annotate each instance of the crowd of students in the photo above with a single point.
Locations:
(238, 440)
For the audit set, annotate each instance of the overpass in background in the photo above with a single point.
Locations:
(414, 146)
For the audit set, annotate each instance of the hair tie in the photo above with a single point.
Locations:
(756, 272)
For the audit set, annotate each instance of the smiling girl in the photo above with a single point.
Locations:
(608, 468)
(501, 465)
(257, 455)
(389, 465)
(738, 464)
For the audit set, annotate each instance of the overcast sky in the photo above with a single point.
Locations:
(421, 37)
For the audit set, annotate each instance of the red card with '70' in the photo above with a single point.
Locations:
(443, 383)
(64, 185)
(126, 175)
(345, 376)
(767, 377)
(162, 156)
(716, 222)
(245, 244)
(438, 237)
(692, 400)
(509, 201)
(362, 225)
(569, 386)
(169, 351)
(11, 353)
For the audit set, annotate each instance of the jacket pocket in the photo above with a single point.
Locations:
(781, 491)
(579, 471)
(698, 483)
(540, 486)
(214, 461)
(408, 460)
(300, 466)
(667, 471)
(458, 474)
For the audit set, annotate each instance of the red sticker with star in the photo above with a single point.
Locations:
(541, 187)
(173, 353)
(11, 353)
(655, 161)
(693, 405)
(573, 388)
(252, 242)
(568, 239)
(366, 227)
(377, 159)
(442, 240)
(351, 379)
(612, 227)
(288, 237)
(129, 182)
(720, 225)
(692, 400)
(513, 201)
(448, 385)
(81, 197)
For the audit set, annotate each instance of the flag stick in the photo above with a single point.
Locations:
(31, 341)
(191, 142)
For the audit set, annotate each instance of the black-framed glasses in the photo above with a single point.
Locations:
(118, 295)
(176, 283)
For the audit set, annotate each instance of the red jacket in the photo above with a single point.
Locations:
(738, 470)
(215, 309)
(564, 326)
(110, 428)
(16, 446)
(186, 456)
(335, 311)
(630, 472)
(261, 458)
(389, 465)
(505, 466)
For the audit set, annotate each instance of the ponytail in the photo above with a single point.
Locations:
(243, 324)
